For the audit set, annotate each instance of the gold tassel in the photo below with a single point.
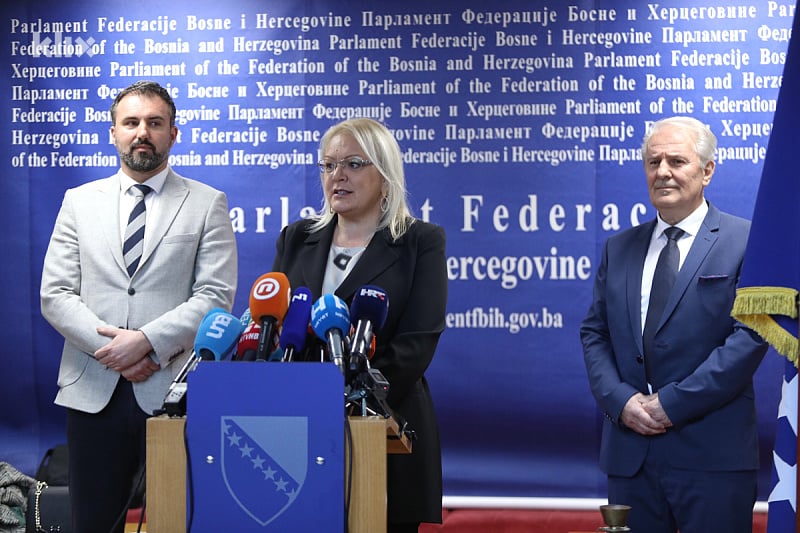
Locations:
(753, 307)
(765, 300)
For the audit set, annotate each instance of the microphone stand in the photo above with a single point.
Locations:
(369, 384)
(367, 389)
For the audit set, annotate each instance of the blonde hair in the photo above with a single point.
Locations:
(381, 148)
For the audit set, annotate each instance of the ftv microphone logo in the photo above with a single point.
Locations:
(266, 289)
(329, 303)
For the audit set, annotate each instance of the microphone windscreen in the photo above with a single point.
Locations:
(218, 333)
(295, 325)
(269, 297)
(202, 329)
(248, 341)
(245, 319)
(370, 303)
(327, 313)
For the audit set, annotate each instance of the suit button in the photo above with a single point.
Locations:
(639, 359)
(131, 291)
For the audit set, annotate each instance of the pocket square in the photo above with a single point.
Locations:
(712, 277)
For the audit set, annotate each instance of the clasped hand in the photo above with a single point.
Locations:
(645, 415)
(127, 353)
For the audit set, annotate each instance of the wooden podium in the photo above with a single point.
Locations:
(371, 438)
(166, 475)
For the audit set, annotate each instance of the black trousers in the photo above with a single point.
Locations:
(106, 459)
(402, 528)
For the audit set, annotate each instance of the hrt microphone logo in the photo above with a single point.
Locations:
(219, 325)
(371, 292)
(266, 288)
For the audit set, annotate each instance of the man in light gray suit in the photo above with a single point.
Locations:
(127, 335)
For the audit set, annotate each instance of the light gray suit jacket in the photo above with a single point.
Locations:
(189, 266)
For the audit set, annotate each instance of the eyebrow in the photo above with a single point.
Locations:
(651, 155)
(345, 157)
(148, 117)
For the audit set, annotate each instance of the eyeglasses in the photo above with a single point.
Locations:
(350, 163)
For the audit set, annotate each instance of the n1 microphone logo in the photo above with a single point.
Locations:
(219, 325)
(300, 296)
(371, 292)
(266, 289)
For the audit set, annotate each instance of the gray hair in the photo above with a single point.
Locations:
(706, 141)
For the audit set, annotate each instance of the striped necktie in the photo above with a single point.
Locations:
(134, 233)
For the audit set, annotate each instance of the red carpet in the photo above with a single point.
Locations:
(531, 521)
(507, 521)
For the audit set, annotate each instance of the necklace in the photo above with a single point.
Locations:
(343, 255)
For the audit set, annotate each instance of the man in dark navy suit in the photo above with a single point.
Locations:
(680, 439)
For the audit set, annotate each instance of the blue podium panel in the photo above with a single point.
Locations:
(265, 444)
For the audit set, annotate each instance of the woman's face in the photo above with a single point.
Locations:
(353, 190)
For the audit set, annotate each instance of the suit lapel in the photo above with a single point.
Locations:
(106, 209)
(314, 254)
(173, 194)
(379, 255)
(706, 236)
(637, 251)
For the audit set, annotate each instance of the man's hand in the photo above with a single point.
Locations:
(637, 418)
(127, 353)
(140, 371)
(653, 407)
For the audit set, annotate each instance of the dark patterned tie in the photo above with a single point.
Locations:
(663, 280)
(134, 233)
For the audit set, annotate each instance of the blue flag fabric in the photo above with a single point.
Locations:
(783, 500)
(767, 297)
(768, 287)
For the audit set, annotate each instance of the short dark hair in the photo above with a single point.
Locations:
(149, 88)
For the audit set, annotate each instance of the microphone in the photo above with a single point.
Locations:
(330, 319)
(368, 313)
(295, 325)
(202, 330)
(269, 301)
(248, 343)
(220, 334)
(191, 363)
(216, 336)
(245, 319)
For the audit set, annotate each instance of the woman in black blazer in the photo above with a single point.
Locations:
(365, 235)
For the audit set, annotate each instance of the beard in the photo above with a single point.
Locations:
(142, 161)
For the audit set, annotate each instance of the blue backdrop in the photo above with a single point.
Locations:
(520, 124)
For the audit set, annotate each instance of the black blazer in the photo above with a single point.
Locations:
(413, 273)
